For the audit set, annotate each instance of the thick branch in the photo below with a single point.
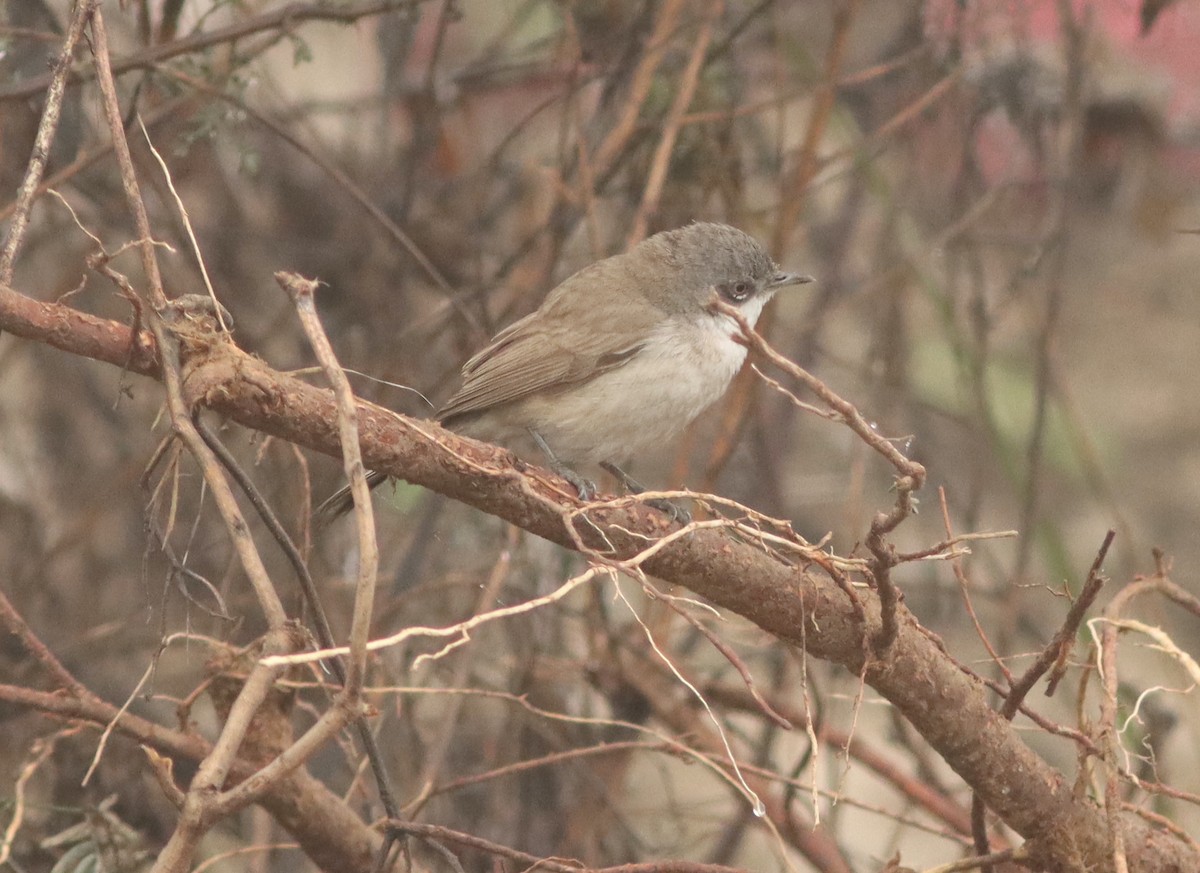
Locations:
(329, 831)
(948, 708)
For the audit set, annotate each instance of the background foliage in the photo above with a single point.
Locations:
(991, 197)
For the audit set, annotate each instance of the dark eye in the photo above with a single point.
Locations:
(736, 291)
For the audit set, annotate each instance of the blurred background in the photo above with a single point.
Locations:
(999, 202)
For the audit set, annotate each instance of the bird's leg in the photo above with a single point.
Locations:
(633, 486)
(586, 488)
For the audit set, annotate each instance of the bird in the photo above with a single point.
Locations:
(619, 358)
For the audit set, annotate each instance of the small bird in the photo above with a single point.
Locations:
(619, 358)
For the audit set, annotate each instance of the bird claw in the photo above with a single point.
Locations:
(585, 487)
(676, 512)
(670, 508)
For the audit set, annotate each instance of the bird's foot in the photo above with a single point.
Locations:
(632, 486)
(585, 487)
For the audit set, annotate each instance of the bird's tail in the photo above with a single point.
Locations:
(340, 502)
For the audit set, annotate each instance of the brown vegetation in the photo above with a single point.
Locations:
(809, 675)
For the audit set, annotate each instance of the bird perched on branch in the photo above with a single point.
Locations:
(619, 358)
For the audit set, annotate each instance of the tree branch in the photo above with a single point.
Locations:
(795, 604)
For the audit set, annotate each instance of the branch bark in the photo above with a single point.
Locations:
(795, 604)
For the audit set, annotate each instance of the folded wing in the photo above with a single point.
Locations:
(573, 337)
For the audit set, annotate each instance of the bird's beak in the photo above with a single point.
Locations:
(782, 280)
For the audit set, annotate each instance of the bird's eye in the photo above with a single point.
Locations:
(736, 291)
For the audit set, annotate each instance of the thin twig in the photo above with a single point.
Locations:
(980, 861)
(795, 187)
(43, 140)
(344, 181)
(460, 632)
(911, 478)
(16, 625)
(684, 92)
(281, 19)
(301, 291)
(435, 757)
(730, 655)
(479, 844)
(168, 109)
(312, 596)
(639, 89)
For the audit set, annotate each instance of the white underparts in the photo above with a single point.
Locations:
(681, 370)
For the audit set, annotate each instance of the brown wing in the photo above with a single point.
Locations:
(576, 334)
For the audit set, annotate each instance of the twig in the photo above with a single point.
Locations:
(162, 536)
(349, 702)
(280, 19)
(116, 127)
(756, 802)
(845, 411)
(535, 863)
(916, 790)
(980, 861)
(168, 109)
(641, 81)
(343, 180)
(795, 187)
(436, 756)
(965, 590)
(312, 596)
(730, 655)
(187, 226)
(549, 760)
(43, 140)
(684, 92)
(1066, 642)
(816, 844)
(460, 632)
(43, 748)
(19, 628)
(1056, 652)
(911, 478)
(718, 766)
(301, 291)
